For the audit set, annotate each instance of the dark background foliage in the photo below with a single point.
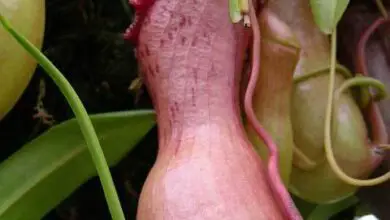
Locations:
(83, 38)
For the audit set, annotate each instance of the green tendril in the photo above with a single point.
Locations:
(305, 163)
(340, 69)
(301, 161)
(328, 119)
(366, 82)
(364, 96)
(381, 8)
(82, 117)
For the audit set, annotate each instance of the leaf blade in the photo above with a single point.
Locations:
(327, 13)
(61, 167)
(326, 211)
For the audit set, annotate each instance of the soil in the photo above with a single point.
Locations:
(83, 38)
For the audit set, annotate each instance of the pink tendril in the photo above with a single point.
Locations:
(279, 190)
(379, 134)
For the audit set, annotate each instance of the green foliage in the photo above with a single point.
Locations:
(327, 13)
(329, 210)
(46, 170)
(82, 117)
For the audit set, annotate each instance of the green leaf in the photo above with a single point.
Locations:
(82, 117)
(304, 207)
(327, 13)
(327, 211)
(49, 168)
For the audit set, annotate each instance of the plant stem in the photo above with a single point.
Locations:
(82, 117)
(381, 8)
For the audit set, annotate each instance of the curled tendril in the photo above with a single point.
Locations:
(364, 81)
(357, 81)
(303, 161)
(300, 159)
(367, 81)
(361, 56)
(361, 80)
